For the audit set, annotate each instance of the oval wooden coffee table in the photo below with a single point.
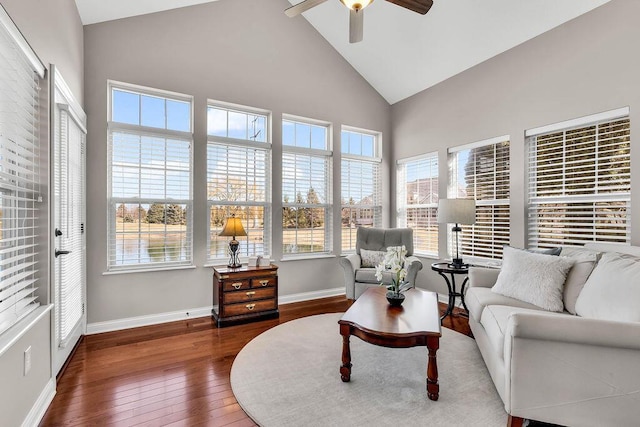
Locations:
(416, 323)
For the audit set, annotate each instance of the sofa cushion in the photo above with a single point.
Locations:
(585, 261)
(533, 278)
(371, 258)
(612, 291)
(479, 298)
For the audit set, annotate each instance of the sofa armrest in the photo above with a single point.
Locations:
(350, 264)
(413, 266)
(483, 277)
(574, 329)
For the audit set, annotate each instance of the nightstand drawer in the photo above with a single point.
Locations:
(249, 307)
(235, 285)
(263, 282)
(250, 295)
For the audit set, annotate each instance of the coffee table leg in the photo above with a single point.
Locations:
(433, 389)
(345, 369)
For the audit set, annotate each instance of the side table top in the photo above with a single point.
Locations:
(418, 315)
(445, 267)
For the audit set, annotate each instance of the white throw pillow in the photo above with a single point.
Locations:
(534, 278)
(612, 292)
(371, 258)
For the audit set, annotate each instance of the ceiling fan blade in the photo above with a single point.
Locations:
(356, 21)
(419, 6)
(302, 7)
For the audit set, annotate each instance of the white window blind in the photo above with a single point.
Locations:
(150, 175)
(306, 188)
(239, 178)
(417, 201)
(20, 155)
(580, 184)
(480, 171)
(361, 197)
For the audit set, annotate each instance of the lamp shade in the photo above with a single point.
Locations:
(457, 211)
(233, 227)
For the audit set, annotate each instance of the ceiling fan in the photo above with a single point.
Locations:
(356, 12)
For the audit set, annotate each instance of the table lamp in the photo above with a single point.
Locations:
(457, 211)
(233, 227)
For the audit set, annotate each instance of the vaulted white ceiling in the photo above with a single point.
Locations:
(404, 52)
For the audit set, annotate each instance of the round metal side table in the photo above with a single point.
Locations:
(444, 268)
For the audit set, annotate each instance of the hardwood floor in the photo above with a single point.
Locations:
(170, 374)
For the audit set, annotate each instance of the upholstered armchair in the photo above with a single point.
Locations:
(359, 277)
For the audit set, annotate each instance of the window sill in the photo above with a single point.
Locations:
(148, 270)
(307, 257)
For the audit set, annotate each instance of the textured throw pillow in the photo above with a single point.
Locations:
(371, 258)
(534, 278)
(612, 291)
(585, 260)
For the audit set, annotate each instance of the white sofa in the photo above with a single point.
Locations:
(563, 368)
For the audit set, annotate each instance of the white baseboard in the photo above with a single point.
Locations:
(308, 296)
(151, 319)
(154, 319)
(39, 408)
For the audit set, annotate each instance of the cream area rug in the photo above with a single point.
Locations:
(289, 376)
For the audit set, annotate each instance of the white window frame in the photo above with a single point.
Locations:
(114, 202)
(327, 156)
(482, 249)
(430, 205)
(375, 162)
(618, 195)
(266, 205)
(20, 182)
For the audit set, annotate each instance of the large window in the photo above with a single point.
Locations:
(306, 187)
(580, 181)
(417, 201)
(150, 163)
(361, 204)
(20, 156)
(480, 171)
(239, 177)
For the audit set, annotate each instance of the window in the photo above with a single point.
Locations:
(480, 171)
(361, 204)
(150, 163)
(239, 177)
(580, 181)
(20, 156)
(418, 201)
(306, 187)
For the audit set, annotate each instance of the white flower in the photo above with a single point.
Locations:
(394, 262)
(379, 270)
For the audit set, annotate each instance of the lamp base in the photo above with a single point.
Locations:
(457, 263)
(234, 261)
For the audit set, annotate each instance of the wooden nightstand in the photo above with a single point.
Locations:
(245, 294)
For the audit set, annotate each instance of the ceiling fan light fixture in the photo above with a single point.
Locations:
(356, 4)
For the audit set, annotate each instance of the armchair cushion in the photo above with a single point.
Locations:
(371, 258)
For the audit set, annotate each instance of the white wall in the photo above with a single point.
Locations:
(586, 66)
(242, 51)
(54, 31)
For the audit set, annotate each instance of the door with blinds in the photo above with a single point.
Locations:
(69, 132)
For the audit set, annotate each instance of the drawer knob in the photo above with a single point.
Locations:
(250, 306)
(250, 293)
(237, 285)
(264, 282)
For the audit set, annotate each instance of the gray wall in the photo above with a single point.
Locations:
(241, 51)
(586, 66)
(54, 31)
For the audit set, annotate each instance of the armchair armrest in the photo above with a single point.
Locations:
(483, 277)
(574, 329)
(414, 265)
(350, 264)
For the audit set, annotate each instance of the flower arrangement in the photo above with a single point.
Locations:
(395, 263)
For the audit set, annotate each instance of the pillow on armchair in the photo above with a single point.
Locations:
(371, 258)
